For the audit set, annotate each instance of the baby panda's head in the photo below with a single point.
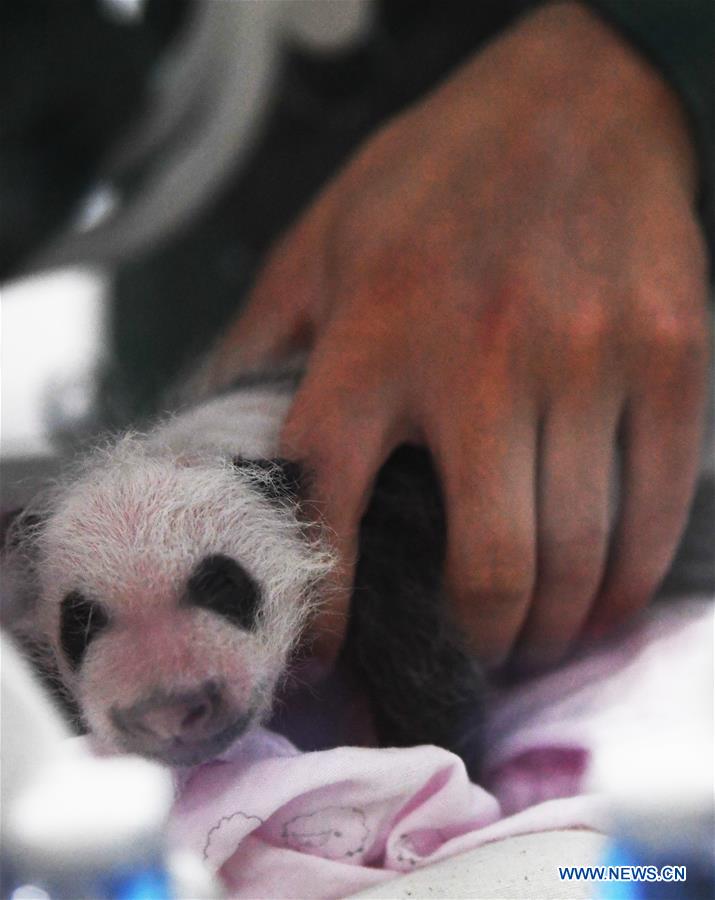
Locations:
(171, 591)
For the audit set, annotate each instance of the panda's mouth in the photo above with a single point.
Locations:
(182, 752)
(183, 727)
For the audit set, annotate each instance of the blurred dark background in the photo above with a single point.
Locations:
(74, 78)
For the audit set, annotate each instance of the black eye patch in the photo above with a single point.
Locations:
(277, 479)
(223, 586)
(81, 620)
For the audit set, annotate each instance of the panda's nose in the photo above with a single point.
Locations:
(187, 716)
(178, 726)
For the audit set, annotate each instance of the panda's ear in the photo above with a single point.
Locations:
(18, 602)
(278, 479)
(16, 526)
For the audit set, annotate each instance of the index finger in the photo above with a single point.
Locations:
(337, 428)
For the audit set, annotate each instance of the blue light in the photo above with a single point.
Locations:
(618, 856)
(144, 884)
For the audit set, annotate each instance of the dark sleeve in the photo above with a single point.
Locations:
(678, 36)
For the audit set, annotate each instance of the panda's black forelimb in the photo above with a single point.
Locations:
(423, 685)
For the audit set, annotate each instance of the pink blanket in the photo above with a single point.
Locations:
(274, 822)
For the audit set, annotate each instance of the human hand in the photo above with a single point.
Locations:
(511, 273)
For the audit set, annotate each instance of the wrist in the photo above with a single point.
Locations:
(585, 75)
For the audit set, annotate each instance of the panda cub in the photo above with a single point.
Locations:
(172, 575)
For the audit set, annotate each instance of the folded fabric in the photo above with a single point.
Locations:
(275, 822)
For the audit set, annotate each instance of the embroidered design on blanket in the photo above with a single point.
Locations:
(224, 837)
(411, 849)
(334, 832)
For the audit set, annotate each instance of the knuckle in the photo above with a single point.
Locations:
(630, 586)
(318, 421)
(494, 599)
(575, 560)
(622, 601)
(574, 582)
(675, 331)
(336, 476)
(591, 327)
(323, 461)
(498, 588)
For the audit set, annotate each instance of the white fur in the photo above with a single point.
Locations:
(128, 529)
